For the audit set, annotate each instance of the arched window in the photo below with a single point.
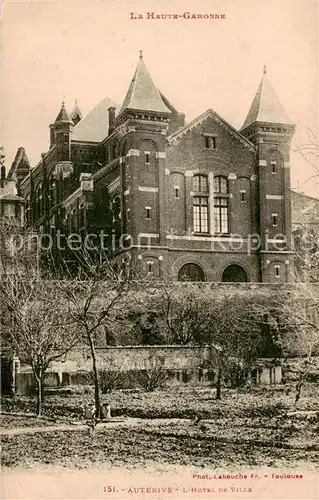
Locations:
(191, 272)
(52, 191)
(116, 209)
(221, 197)
(200, 184)
(200, 204)
(234, 273)
(28, 210)
(38, 200)
(125, 169)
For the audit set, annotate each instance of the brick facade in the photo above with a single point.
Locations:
(200, 201)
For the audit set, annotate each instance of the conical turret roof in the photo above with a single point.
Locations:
(76, 114)
(266, 106)
(142, 93)
(63, 115)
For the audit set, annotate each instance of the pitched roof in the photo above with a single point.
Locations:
(142, 93)
(20, 162)
(266, 106)
(94, 126)
(210, 113)
(63, 115)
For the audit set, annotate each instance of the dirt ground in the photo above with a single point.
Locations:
(255, 429)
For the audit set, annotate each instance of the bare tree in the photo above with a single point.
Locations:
(18, 249)
(301, 312)
(306, 246)
(93, 299)
(38, 332)
(195, 315)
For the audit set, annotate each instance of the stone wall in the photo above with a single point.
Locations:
(189, 365)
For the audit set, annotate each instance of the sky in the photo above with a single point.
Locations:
(62, 50)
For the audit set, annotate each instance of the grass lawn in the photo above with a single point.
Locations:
(243, 429)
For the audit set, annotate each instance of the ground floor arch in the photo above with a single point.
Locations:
(235, 274)
(191, 272)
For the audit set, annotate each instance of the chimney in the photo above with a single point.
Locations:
(2, 175)
(111, 111)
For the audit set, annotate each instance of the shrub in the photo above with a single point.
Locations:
(236, 375)
(153, 378)
(110, 380)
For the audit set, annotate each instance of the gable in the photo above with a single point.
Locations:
(214, 117)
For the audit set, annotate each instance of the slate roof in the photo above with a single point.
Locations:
(142, 93)
(94, 126)
(266, 106)
(63, 115)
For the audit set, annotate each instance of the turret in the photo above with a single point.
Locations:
(76, 114)
(142, 125)
(60, 136)
(268, 126)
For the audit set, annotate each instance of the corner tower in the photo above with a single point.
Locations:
(141, 127)
(268, 126)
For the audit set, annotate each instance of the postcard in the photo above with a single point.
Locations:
(159, 270)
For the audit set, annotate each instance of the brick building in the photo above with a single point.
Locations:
(195, 201)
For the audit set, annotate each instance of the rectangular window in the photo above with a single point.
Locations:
(221, 215)
(147, 156)
(243, 196)
(210, 142)
(277, 271)
(149, 267)
(200, 184)
(273, 167)
(220, 185)
(148, 212)
(274, 219)
(128, 214)
(176, 191)
(200, 214)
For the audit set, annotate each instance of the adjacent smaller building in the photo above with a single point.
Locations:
(11, 204)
